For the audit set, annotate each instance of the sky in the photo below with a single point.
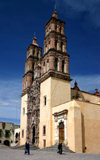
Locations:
(19, 19)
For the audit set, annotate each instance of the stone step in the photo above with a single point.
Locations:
(4, 146)
(32, 147)
(55, 148)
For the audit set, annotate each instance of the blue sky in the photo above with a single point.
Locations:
(19, 19)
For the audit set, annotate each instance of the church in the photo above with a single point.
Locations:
(51, 111)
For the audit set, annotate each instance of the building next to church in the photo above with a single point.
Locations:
(51, 111)
(7, 133)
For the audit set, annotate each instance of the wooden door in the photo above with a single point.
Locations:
(61, 132)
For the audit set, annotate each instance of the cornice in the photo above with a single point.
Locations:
(57, 51)
(54, 74)
(57, 33)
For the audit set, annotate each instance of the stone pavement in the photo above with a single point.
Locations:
(12, 154)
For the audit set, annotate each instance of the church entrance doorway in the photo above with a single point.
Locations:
(61, 132)
(33, 140)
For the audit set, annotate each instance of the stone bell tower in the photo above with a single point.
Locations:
(32, 72)
(33, 56)
(55, 77)
(56, 59)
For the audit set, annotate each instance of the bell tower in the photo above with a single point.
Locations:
(32, 71)
(34, 54)
(55, 78)
(56, 59)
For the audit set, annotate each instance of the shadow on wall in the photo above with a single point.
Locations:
(83, 134)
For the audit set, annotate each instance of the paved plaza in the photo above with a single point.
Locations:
(12, 154)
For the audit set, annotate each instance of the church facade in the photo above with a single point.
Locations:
(51, 111)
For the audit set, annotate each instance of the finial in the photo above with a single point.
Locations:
(96, 90)
(75, 83)
(55, 15)
(34, 41)
(76, 86)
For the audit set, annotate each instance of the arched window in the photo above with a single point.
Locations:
(63, 66)
(56, 64)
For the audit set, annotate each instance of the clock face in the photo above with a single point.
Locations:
(35, 74)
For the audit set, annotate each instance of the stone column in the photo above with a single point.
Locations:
(51, 63)
(46, 66)
(42, 68)
(60, 64)
(62, 30)
(53, 26)
(35, 54)
(52, 43)
(58, 28)
(39, 54)
(64, 47)
(65, 129)
(59, 45)
(67, 66)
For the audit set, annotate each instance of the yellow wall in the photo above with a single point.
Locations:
(55, 91)
(60, 91)
(23, 122)
(90, 126)
(83, 125)
(45, 113)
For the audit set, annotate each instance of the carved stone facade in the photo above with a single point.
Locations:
(31, 87)
(33, 112)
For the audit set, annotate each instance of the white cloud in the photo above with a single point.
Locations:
(10, 98)
(87, 82)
